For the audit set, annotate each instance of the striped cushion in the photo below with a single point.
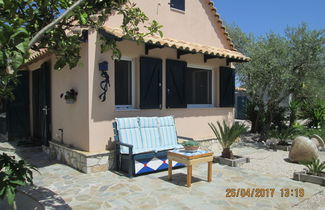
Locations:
(167, 131)
(129, 133)
(149, 132)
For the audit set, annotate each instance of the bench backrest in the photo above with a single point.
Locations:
(129, 132)
(147, 133)
(149, 130)
(167, 131)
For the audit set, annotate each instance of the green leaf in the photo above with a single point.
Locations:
(83, 18)
(10, 194)
(22, 47)
(19, 31)
(17, 182)
(17, 60)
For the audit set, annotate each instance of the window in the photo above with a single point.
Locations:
(123, 83)
(198, 86)
(178, 4)
(150, 83)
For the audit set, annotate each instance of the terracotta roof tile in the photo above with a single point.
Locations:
(184, 45)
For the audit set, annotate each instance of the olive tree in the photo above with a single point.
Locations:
(282, 65)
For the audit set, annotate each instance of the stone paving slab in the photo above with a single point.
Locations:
(107, 190)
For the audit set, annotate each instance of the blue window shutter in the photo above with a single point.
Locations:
(176, 74)
(150, 83)
(227, 87)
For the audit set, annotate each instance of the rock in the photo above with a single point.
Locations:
(303, 149)
(318, 141)
(272, 142)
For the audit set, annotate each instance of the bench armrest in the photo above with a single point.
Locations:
(126, 145)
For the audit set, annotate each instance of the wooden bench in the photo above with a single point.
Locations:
(142, 144)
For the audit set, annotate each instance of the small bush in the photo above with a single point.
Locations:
(13, 174)
(315, 166)
(315, 112)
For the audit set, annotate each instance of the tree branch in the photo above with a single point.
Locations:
(52, 24)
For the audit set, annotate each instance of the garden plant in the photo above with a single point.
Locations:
(227, 135)
(13, 174)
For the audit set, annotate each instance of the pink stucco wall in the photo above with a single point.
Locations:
(197, 24)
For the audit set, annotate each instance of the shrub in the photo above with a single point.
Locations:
(227, 135)
(284, 134)
(13, 174)
(315, 167)
(304, 131)
(315, 112)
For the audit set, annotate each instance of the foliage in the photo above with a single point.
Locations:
(255, 116)
(282, 65)
(22, 20)
(227, 135)
(284, 134)
(315, 166)
(13, 174)
(70, 94)
(190, 143)
(304, 131)
(294, 106)
(315, 112)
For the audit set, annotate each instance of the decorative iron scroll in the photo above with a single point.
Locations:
(103, 67)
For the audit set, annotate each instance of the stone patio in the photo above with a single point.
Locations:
(106, 190)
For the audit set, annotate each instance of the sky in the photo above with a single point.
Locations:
(262, 16)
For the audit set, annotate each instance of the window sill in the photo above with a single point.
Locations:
(177, 10)
(200, 106)
(126, 109)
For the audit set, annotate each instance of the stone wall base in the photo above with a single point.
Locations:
(86, 162)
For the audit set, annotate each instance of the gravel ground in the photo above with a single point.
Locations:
(273, 162)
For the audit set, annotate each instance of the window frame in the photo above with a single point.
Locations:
(194, 106)
(133, 94)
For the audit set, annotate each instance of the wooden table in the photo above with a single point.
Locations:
(189, 159)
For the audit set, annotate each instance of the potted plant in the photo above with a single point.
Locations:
(191, 145)
(70, 96)
(227, 135)
(315, 172)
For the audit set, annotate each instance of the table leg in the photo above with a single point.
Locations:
(189, 176)
(170, 166)
(210, 171)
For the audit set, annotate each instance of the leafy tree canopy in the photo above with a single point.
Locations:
(34, 25)
(282, 65)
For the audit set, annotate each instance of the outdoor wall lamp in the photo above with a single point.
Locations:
(103, 68)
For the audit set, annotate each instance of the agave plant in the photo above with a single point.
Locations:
(227, 135)
(315, 166)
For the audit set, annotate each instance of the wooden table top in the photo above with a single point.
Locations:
(189, 155)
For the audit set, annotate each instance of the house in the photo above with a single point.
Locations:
(187, 74)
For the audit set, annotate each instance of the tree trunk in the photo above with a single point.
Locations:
(227, 153)
(267, 125)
